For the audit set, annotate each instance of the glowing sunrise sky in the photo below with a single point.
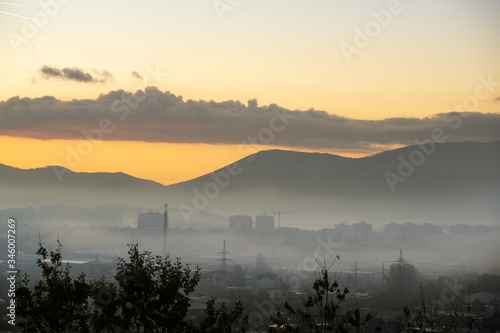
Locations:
(427, 58)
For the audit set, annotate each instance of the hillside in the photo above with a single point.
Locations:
(456, 182)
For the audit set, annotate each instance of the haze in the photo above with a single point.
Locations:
(290, 129)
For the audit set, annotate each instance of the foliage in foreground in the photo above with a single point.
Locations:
(324, 310)
(150, 294)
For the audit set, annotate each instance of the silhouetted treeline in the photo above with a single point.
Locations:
(485, 283)
(151, 294)
(448, 292)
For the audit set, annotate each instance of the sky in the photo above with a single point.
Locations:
(171, 90)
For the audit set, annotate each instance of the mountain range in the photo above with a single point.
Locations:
(444, 183)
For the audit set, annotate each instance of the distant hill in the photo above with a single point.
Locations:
(58, 185)
(447, 183)
(456, 182)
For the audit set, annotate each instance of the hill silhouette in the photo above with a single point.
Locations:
(451, 183)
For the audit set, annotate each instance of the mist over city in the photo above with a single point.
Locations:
(236, 166)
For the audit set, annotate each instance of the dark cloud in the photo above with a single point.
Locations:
(155, 116)
(137, 75)
(497, 99)
(75, 74)
(51, 72)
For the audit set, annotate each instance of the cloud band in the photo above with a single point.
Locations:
(165, 117)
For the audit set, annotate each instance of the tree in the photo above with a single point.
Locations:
(401, 287)
(57, 303)
(149, 294)
(153, 292)
(401, 276)
(239, 276)
(402, 283)
(260, 262)
(106, 316)
(322, 310)
(221, 319)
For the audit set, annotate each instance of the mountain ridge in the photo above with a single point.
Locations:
(260, 153)
(456, 181)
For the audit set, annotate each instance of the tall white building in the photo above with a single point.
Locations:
(152, 228)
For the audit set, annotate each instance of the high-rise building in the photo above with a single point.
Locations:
(342, 233)
(241, 223)
(152, 228)
(264, 223)
(362, 232)
(410, 232)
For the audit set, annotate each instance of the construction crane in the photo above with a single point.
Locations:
(279, 215)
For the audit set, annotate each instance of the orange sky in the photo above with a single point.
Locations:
(425, 58)
(162, 162)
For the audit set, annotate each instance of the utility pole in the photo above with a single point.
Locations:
(383, 274)
(401, 262)
(165, 230)
(355, 276)
(224, 259)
